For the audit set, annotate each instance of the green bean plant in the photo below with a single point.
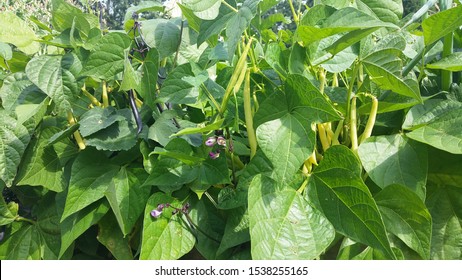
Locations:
(207, 132)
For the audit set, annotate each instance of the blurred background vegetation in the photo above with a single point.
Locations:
(113, 11)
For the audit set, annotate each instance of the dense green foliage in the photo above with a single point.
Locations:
(206, 132)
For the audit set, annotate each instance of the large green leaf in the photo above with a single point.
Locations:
(23, 244)
(445, 205)
(211, 224)
(384, 68)
(428, 112)
(127, 199)
(348, 40)
(182, 84)
(162, 34)
(77, 223)
(284, 120)
(344, 20)
(14, 139)
(131, 79)
(144, 6)
(48, 227)
(236, 230)
(15, 31)
(207, 10)
(8, 212)
(238, 23)
(166, 237)
(111, 237)
(395, 159)
(108, 56)
(337, 189)
(344, 53)
(385, 10)
(406, 216)
(170, 174)
(437, 126)
(91, 174)
(41, 165)
(147, 87)
(18, 91)
(282, 223)
(444, 168)
(98, 119)
(120, 135)
(5, 51)
(57, 77)
(40, 240)
(452, 62)
(65, 16)
(209, 28)
(441, 24)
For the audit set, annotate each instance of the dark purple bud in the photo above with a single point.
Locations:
(185, 208)
(156, 213)
(221, 141)
(214, 155)
(210, 141)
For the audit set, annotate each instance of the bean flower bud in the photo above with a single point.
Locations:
(211, 141)
(215, 155)
(156, 213)
(221, 141)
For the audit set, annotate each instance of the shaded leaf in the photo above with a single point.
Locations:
(440, 24)
(76, 224)
(14, 139)
(452, 62)
(337, 189)
(15, 31)
(395, 159)
(406, 216)
(111, 237)
(166, 237)
(57, 77)
(107, 58)
(282, 223)
(444, 203)
(127, 199)
(91, 174)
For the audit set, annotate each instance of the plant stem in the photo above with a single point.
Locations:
(22, 219)
(249, 116)
(417, 58)
(105, 95)
(211, 199)
(446, 75)
(179, 44)
(229, 6)
(322, 80)
(210, 96)
(353, 129)
(194, 226)
(77, 136)
(350, 87)
(294, 14)
(338, 130)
